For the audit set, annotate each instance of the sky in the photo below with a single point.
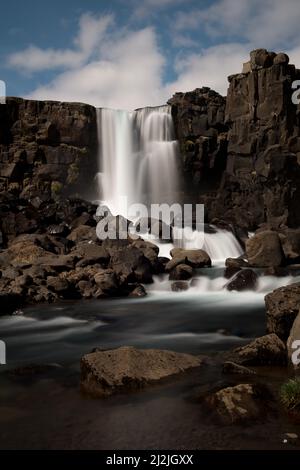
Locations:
(135, 53)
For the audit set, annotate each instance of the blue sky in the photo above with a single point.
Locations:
(127, 54)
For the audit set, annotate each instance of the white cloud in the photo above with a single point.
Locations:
(268, 23)
(122, 68)
(209, 68)
(91, 31)
(126, 76)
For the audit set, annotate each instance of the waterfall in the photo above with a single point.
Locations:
(137, 156)
(219, 245)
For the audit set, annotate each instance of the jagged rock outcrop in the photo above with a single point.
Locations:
(199, 119)
(262, 178)
(243, 151)
(47, 148)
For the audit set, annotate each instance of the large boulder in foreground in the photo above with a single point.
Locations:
(264, 249)
(193, 258)
(266, 350)
(104, 373)
(282, 306)
(242, 402)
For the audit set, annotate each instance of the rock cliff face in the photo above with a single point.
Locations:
(255, 137)
(46, 147)
(199, 119)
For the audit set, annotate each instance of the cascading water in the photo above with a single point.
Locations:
(137, 157)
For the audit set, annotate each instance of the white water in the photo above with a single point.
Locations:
(137, 157)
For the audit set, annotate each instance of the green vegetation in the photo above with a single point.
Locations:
(56, 188)
(290, 394)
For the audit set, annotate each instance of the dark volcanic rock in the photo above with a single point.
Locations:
(104, 373)
(201, 130)
(264, 249)
(181, 272)
(262, 176)
(266, 350)
(282, 306)
(46, 147)
(240, 403)
(193, 258)
(246, 279)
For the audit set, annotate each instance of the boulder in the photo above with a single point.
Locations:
(181, 272)
(236, 263)
(261, 58)
(149, 250)
(282, 306)
(240, 403)
(90, 253)
(290, 241)
(138, 291)
(281, 59)
(179, 286)
(193, 258)
(266, 350)
(107, 282)
(104, 373)
(246, 279)
(292, 346)
(264, 249)
(131, 265)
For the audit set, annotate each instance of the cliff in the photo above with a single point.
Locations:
(247, 146)
(47, 148)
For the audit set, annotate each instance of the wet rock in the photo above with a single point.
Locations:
(230, 272)
(138, 291)
(282, 306)
(246, 279)
(236, 263)
(160, 265)
(181, 272)
(179, 286)
(107, 282)
(193, 258)
(149, 250)
(105, 373)
(266, 350)
(233, 368)
(264, 249)
(131, 265)
(240, 403)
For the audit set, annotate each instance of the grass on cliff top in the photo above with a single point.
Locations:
(290, 394)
